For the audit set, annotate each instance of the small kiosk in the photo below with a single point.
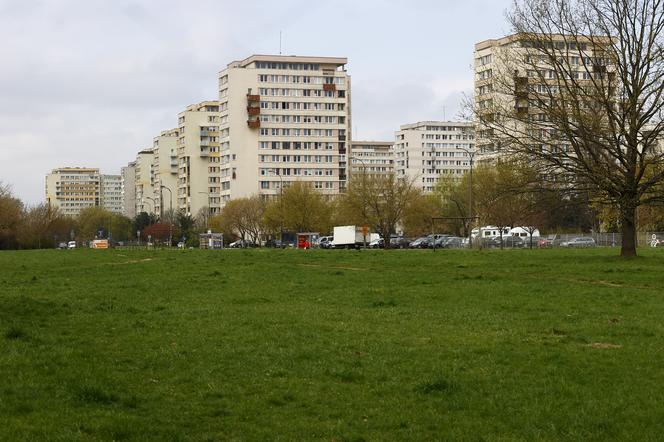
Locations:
(307, 240)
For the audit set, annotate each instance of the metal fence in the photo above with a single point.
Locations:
(578, 240)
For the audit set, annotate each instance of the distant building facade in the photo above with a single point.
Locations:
(427, 150)
(371, 157)
(111, 193)
(72, 189)
(144, 189)
(283, 119)
(198, 162)
(128, 176)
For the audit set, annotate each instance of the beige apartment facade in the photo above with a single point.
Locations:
(128, 176)
(72, 189)
(371, 157)
(111, 193)
(511, 75)
(198, 173)
(283, 119)
(165, 170)
(427, 150)
(144, 190)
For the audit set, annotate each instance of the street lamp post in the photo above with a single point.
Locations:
(153, 202)
(281, 206)
(471, 154)
(170, 215)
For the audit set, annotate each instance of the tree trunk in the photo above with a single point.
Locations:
(628, 228)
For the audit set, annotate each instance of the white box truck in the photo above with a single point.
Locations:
(349, 237)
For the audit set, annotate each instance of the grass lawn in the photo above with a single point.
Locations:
(331, 345)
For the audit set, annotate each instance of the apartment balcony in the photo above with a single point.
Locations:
(521, 110)
(205, 142)
(342, 138)
(342, 150)
(329, 87)
(254, 124)
(253, 111)
(205, 151)
(521, 94)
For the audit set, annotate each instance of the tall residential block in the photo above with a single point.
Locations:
(145, 194)
(427, 150)
(283, 119)
(512, 75)
(128, 175)
(72, 189)
(165, 167)
(371, 157)
(111, 193)
(198, 159)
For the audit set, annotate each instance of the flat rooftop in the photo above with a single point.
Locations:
(335, 61)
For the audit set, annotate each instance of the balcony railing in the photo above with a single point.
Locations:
(253, 98)
(253, 111)
(329, 87)
(254, 124)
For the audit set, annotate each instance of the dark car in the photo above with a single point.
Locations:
(439, 238)
(417, 243)
(399, 242)
(452, 242)
(509, 242)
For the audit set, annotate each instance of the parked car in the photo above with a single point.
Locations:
(241, 244)
(399, 242)
(579, 242)
(71, 245)
(547, 242)
(325, 242)
(509, 242)
(452, 242)
(439, 238)
(62, 245)
(377, 244)
(416, 243)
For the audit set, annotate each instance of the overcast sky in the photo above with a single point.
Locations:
(91, 82)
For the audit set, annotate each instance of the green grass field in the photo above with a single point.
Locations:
(331, 345)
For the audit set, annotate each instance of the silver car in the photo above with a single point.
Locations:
(579, 242)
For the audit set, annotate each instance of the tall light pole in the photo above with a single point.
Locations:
(471, 155)
(170, 215)
(153, 202)
(281, 206)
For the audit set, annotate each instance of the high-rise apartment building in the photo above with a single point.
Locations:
(72, 189)
(283, 119)
(427, 150)
(198, 159)
(165, 167)
(371, 157)
(145, 195)
(111, 193)
(512, 74)
(128, 175)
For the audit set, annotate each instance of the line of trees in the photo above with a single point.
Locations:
(43, 226)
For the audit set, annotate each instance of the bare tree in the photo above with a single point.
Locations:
(243, 217)
(380, 201)
(581, 95)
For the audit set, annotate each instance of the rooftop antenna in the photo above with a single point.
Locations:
(444, 117)
(279, 42)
